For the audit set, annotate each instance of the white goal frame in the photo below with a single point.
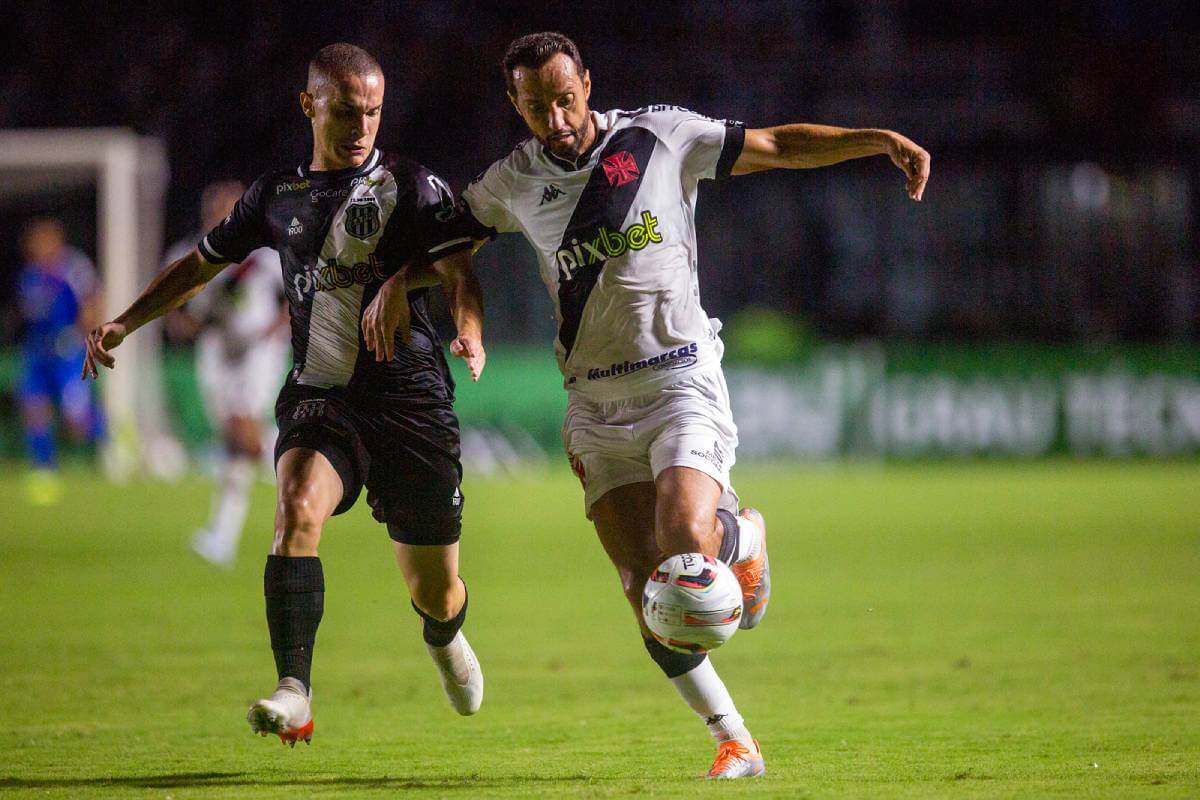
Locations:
(130, 173)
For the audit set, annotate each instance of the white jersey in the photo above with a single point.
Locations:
(615, 236)
(241, 306)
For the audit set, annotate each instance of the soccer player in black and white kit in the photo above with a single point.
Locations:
(358, 409)
(607, 201)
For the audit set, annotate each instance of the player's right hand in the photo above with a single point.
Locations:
(99, 342)
(387, 313)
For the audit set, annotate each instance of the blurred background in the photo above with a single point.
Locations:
(1043, 299)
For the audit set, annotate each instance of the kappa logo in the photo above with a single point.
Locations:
(620, 168)
(550, 194)
(362, 218)
(295, 227)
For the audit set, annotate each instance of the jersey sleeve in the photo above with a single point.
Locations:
(243, 231)
(427, 230)
(708, 147)
(485, 205)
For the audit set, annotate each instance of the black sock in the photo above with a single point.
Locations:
(440, 633)
(729, 543)
(672, 663)
(295, 592)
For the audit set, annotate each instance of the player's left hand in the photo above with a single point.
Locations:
(470, 349)
(913, 159)
(386, 314)
(99, 342)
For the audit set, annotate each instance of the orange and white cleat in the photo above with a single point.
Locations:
(754, 574)
(287, 713)
(736, 760)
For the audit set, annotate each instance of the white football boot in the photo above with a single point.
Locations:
(736, 760)
(214, 549)
(462, 678)
(287, 712)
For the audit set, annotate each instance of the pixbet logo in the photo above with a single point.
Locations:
(332, 275)
(607, 244)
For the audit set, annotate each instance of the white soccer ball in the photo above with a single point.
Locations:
(692, 603)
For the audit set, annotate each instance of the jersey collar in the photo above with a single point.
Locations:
(346, 172)
(571, 165)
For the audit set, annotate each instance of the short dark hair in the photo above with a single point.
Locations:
(341, 58)
(534, 49)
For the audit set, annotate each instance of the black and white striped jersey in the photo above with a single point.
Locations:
(339, 235)
(615, 235)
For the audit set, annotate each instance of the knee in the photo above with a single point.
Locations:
(684, 534)
(439, 597)
(299, 516)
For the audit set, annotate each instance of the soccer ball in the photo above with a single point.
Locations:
(692, 603)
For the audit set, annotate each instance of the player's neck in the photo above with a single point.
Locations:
(326, 162)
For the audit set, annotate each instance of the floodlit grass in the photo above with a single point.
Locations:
(970, 630)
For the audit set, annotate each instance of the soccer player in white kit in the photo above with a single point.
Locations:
(242, 349)
(607, 201)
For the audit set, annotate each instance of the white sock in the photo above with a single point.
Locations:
(453, 656)
(704, 691)
(232, 501)
(749, 540)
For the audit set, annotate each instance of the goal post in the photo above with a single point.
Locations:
(130, 174)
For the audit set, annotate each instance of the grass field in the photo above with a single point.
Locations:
(967, 630)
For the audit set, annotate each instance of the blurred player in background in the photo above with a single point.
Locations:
(607, 201)
(358, 408)
(59, 296)
(240, 327)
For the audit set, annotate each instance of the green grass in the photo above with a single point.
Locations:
(973, 630)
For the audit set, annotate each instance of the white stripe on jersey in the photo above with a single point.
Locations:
(334, 321)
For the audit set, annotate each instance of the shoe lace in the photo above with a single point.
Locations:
(728, 753)
(749, 575)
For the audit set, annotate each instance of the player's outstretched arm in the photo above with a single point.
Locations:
(803, 146)
(465, 299)
(171, 288)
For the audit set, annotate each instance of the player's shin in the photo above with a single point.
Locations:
(697, 682)
(295, 595)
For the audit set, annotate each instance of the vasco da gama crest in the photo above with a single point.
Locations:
(362, 218)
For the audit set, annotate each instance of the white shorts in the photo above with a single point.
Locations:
(240, 387)
(686, 424)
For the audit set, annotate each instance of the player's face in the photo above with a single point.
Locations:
(344, 111)
(552, 100)
(42, 242)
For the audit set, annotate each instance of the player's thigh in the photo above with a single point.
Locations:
(624, 520)
(686, 510)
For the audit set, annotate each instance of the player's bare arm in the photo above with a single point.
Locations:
(171, 288)
(389, 310)
(804, 146)
(465, 299)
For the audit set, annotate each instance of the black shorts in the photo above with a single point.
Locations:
(405, 453)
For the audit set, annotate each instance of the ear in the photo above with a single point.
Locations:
(587, 84)
(512, 98)
(306, 104)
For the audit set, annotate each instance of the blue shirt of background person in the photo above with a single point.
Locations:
(57, 290)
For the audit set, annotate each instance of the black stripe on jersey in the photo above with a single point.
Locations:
(601, 204)
(735, 140)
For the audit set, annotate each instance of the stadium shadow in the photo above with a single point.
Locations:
(201, 779)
